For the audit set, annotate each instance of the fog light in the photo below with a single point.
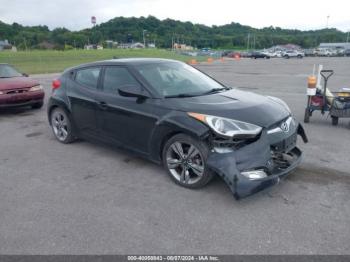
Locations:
(254, 174)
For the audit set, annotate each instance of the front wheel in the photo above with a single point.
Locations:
(185, 160)
(62, 126)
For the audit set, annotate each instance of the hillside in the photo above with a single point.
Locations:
(163, 32)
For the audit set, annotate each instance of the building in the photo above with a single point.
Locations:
(91, 47)
(131, 45)
(182, 47)
(345, 46)
(4, 44)
(111, 44)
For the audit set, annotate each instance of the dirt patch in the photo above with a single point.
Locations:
(319, 175)
(34, 134)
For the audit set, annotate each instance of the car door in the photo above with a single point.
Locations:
(126, 120)
(81, 92)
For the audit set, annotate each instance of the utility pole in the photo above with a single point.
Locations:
(248, 41)
(144, 39)
(347, 37)
(254, 41)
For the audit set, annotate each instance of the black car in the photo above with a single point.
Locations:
(175, 115)
(257, 54)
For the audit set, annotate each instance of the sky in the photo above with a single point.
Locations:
(76, 14)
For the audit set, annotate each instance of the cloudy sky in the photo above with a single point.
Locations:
(76, 14)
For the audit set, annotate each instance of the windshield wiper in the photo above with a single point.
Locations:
(214, 90)
(181, 95)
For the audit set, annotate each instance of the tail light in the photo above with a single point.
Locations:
(56, 84)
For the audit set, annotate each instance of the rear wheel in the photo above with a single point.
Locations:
(335, 120)
(185, 160)
(62, 126)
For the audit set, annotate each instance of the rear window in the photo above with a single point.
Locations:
(88, 77)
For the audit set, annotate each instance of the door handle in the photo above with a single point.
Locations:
(102, 105)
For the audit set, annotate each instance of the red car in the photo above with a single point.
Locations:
(17, 89)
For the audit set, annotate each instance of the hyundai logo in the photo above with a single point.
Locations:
(285, 127)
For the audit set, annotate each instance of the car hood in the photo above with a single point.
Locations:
(16, 83)
(234, 104)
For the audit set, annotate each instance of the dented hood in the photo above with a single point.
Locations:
(234, 104)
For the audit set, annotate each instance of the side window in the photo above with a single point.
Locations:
(115, 77)
(88, 77)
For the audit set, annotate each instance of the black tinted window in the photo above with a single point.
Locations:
(116, 77)
(88, 77)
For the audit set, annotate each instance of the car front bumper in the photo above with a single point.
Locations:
(258, 155)
(21, 99)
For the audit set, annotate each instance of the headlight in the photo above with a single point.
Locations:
(281, 102)
(228, 127)
(35, 88)
(1, 93)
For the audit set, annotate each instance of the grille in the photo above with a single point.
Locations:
(20, 91)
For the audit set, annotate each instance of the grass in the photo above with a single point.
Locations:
(37, 62)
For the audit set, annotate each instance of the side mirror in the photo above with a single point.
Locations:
(132, 91)
(25, 74)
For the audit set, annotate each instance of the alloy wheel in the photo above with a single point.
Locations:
(185, 162)
(60, 125)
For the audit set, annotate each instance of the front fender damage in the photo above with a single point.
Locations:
(256, 155)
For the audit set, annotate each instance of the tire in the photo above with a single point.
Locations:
(187, 171)
(300, 57)
(61, 126)
(38, 105)
(307, 116)
(286, 56)
(335, 120)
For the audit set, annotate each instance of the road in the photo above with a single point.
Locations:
(87, 198)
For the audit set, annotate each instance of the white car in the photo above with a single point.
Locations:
(293, 53)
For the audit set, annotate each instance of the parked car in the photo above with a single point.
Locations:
(234, 54)
(258, 54)
(309, 52)
(293, 53)
(17, 89)
(347, 52)
(326, 52)
(175, 115)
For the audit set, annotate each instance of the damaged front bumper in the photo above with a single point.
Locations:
(276, 155)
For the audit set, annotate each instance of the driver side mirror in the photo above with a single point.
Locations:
(133, 91)
(25, 74)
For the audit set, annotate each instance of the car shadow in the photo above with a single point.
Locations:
(20, 111)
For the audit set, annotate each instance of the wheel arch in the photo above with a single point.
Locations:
(165, 130)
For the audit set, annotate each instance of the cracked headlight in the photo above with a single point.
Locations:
(281, 102)
(228, 127)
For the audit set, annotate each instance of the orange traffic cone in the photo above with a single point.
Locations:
(192, 62)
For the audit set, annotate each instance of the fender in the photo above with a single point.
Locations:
(171, 124)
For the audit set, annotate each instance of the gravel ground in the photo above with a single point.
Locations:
(87, 198)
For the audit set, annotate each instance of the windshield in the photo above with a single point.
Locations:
(173, 79)
(8, 71)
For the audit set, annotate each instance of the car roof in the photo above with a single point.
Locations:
(126, 61)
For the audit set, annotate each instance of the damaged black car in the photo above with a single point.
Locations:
(176, 115)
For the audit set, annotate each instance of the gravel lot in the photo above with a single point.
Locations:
(87, 198)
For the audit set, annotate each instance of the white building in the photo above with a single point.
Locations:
(335, 45)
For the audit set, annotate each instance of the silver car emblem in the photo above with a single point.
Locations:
(285, 127)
